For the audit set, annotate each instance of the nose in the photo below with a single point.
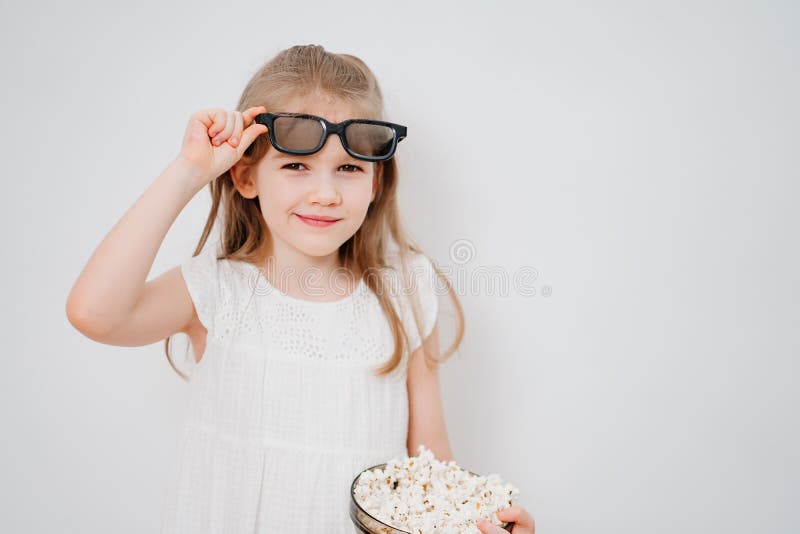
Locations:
(324, 190)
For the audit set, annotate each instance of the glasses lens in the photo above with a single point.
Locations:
(373, 140)
(296, 133)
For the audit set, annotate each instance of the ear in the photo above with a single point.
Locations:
(242, 177)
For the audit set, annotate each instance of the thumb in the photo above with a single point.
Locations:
(249, 135)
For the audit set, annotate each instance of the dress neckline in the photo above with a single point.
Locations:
(264, 287)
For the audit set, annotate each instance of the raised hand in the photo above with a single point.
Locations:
(215, 139)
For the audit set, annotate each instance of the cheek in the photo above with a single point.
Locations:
(359, 193)
(275, 201)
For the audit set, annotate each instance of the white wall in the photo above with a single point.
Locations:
(641, 156)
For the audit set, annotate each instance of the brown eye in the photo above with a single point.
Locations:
(352, 168)
(289, 165)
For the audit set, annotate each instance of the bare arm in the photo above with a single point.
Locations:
(111, 301)
(426, 414)
(107, 291)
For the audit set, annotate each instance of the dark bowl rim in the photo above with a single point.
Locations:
(355, 501)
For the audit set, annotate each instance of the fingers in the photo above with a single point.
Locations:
(216, 121)
(523, 521)
(222, 136)
(519, 516)
(237, 129)
(250, 133)
(228, 125)
(488, 528)
(252, 130)
(250, 114)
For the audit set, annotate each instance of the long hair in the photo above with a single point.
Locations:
(301, 71)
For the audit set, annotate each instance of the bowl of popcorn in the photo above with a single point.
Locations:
(421, 495)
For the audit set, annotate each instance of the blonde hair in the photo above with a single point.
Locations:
(301, 71)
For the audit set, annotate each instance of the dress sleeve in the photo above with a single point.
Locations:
(425, 286)
(201, 274)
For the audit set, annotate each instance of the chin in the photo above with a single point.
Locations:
(318, 250)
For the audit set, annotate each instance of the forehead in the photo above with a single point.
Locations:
(326, 106)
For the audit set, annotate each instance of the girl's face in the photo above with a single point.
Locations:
(327, 183)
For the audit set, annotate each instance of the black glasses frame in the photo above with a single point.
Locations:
(267, 119)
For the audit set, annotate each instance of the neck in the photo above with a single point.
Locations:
(307, 277)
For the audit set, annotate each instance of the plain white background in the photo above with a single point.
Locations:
(640, 156)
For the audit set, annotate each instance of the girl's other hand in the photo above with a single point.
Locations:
(523, 521)
(215, 139)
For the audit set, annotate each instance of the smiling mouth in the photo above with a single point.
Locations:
(317, 222)
(324, 218)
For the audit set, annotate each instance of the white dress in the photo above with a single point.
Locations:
(283, 408)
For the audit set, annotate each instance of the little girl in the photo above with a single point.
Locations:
(312, 317)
